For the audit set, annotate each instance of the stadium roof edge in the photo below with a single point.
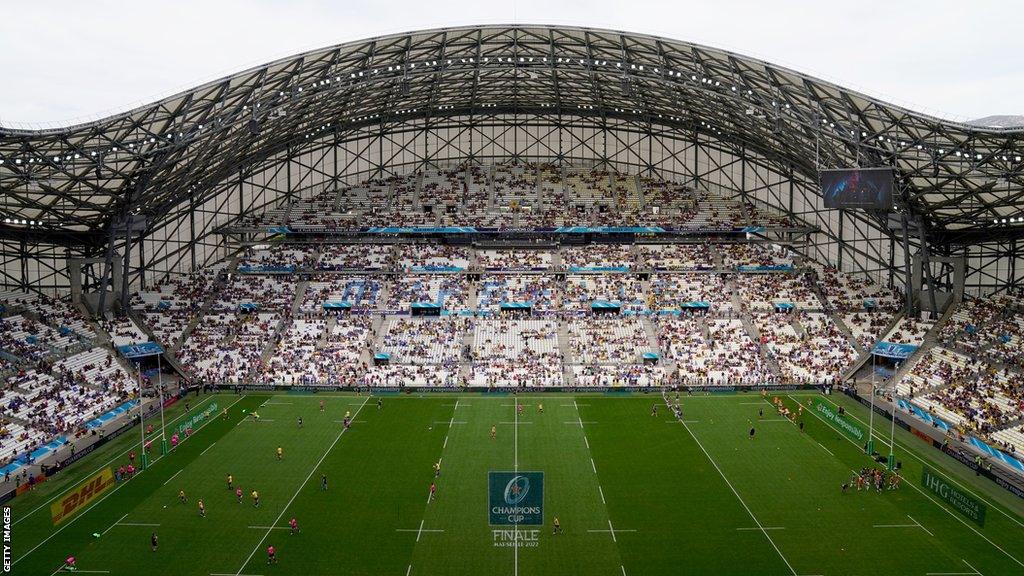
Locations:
(958, 174)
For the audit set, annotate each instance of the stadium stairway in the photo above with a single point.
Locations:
(865, 354)
(797, 326)
(641, 198)
(652, 335)
(753, 332)
(207, 305)
(563, 343)
(836, 319)
(300, 293)
(491, 193)
(418, 192)
(562, 177)
(471, 296)
(332, 321)
(284, 322)
(841, 325)
(766, 355)
(931, 339)
(379, 327)
(538, 189)
(716, 258)
(556, 259)
(169, 357)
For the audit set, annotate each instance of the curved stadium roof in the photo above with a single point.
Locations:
(962, 177)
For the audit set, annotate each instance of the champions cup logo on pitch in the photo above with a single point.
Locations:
(516, 498)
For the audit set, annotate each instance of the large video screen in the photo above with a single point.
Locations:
(867, 188)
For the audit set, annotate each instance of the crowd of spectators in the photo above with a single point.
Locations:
(808, 347)
(354, 257)
(514, 259)
(598, 256)
(598, 340)
(677, 256)
(541, 291)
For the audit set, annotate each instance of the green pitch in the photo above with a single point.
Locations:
(635, 494)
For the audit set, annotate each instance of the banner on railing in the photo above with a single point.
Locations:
(141, 350)
(894, 350)
(765, 268)
(266, 269)
(579, 269)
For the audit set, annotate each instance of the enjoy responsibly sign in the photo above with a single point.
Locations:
(851, 429)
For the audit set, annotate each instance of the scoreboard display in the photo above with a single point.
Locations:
(865, 188)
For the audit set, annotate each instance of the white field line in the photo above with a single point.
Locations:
(515, 528)
(115, 489)
(207, 449)
(920, 526)
(762, 528)
(738, 497)
(419, 531)
(934, 501)
(975, 573)
(299, 489)
(111, 526)
(267, 527)
(100, 469)
(971, 567)
(913, 455)
(895, 526)
(172, 477)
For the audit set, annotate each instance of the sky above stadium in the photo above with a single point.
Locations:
(75, 60)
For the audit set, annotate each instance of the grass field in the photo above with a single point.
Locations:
(635, 493)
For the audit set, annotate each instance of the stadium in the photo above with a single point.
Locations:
(514, 300)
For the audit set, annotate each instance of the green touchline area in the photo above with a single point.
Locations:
(635, 490)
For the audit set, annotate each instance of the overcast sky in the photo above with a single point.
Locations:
(65, 60)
